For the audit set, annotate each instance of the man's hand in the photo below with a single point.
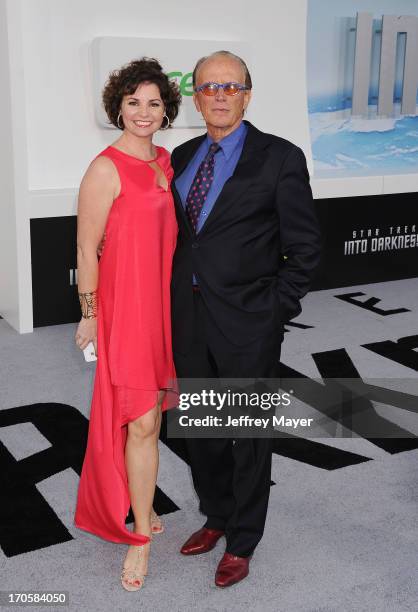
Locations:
(101, 245)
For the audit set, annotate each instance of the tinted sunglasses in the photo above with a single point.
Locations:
(211, 89)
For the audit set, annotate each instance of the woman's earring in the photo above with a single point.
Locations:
(168, 122)
(117, 121)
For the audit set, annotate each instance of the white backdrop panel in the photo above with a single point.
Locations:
(63, 133)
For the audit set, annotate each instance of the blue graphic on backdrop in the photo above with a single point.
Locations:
(343, 143)
(387, 145)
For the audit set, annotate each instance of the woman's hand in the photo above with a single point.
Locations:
(86, 332)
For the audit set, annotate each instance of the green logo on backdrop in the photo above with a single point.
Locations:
(185, 82)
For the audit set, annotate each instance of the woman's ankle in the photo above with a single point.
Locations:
(146, 531)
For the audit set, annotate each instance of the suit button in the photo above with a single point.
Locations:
(195, 245)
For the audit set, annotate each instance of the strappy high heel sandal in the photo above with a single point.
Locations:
(156, 524)
(131, 574)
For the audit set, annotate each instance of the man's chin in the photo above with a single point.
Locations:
(220, 122)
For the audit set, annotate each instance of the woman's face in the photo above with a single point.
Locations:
(142, 112)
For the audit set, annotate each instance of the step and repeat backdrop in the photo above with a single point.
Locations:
(355, 115)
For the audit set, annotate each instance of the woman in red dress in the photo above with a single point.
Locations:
(125, 304)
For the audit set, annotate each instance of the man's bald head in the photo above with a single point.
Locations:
(227, 54)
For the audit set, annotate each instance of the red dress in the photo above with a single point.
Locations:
(134, 359)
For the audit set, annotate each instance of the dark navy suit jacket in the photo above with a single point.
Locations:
(256, 255)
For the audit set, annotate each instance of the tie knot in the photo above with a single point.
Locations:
(214, 148)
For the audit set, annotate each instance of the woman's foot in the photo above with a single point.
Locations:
(156, 524)
(135, 567)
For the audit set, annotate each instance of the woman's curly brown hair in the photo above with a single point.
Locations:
(124, 82)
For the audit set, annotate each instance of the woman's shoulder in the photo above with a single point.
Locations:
(101, 168)
(103, 162)
(162, 152)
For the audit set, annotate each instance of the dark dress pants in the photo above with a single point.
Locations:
(231, 477)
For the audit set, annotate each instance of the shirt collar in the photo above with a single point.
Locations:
(230, 142)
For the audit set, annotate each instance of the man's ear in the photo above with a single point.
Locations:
(196, 103)
(247, 99)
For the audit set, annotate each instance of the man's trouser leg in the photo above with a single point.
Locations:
(231, 478)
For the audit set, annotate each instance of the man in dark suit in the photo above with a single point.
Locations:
(247, 250)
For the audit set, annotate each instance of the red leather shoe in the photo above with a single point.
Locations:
(231, 569)
(201, 541)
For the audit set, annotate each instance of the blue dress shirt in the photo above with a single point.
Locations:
(226, 160)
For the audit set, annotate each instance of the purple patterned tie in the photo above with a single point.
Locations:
(201, 185)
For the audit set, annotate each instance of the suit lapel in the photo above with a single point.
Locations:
(179, 206)
(188, 150)
(248, 166)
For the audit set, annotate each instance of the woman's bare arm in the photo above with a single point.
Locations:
(99, 187)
